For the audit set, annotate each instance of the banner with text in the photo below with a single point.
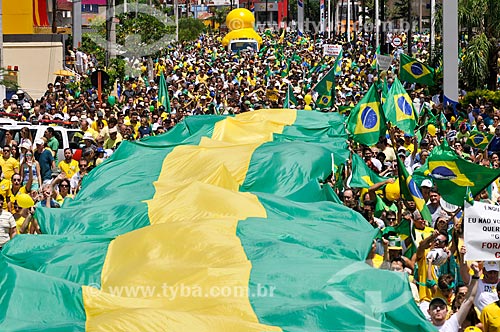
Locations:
(331, 50)
(482, 231)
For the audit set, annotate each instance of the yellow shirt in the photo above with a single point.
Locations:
(94, 125)
(70, 168)
(490, 317)
(8, 167)
(5, 186)
(19, 224)
(13, 197)
(424, 292)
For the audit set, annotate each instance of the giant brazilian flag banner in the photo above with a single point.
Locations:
(222, 224)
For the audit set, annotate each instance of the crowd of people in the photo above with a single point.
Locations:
(203, 78)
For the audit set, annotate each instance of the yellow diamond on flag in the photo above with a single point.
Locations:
(448, 170)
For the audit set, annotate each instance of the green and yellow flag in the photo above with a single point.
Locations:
(213, 226)
(290, 98)
(366, 122)
(410, 191)
(453, 175)
(479, 140)
(325, 88)
(361, 175)
(413, 71)
(163, 97)
(398, 108)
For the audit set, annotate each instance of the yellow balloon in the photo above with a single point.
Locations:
(431, 129)
(308, 99)
(240, 18)
(25, 201)
(392, 191)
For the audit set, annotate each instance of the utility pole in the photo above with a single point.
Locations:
(433, 24)
(408, 37)
(450, 52)
(77, 23)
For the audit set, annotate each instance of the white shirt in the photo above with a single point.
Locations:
(7, 222)
(451, 325)
(486, 294)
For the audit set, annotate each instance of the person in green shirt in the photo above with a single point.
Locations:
(52, 142)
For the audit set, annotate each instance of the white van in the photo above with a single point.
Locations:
(68, 138)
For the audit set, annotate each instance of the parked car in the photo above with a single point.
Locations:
(67, 137)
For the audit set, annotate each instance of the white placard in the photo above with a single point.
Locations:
(384, 61)
(482, 231)
(331, 50)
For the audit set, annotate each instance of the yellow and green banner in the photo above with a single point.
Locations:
(222, 224)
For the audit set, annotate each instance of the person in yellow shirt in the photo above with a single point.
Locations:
(490, 317)
(68, 166)
(9, 165)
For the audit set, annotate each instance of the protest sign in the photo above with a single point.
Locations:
(331, 50)
(384, 61)
(482, 231)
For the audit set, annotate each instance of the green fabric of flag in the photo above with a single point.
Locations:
(308, 248)
(468, 196)
(286, 70)
(362, 176)
(366, 123)
(290, 98)
(453, 174)
(385, 90)
(163, 97)
(381, 207)
(410, 191)
(413, 71)
(324, 88)
(338, 63)
(398, 108)
(478, 139)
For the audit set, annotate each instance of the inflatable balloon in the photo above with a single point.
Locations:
(240, 18)
(25, 201)
(112, 100)
(308, 99)
(392, 191)
(431, 129)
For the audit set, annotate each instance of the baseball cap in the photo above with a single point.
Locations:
(491, 266)
(26, 106)
(14, 97)
(39, 141)
(74, 118)
(437, 300)
(113, 130)
(424, 141)
(426, 183)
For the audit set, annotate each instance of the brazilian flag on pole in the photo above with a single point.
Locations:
(479, 139)
(290, 98)
(362, 176)
(367, 121)
(453, 175)
(409, 191)
(398, 108)
(163, 98)
(413, 71)
(324, 89)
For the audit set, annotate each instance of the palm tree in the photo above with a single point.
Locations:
(481, 20)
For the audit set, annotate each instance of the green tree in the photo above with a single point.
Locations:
(481, 17)
(190, 28)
